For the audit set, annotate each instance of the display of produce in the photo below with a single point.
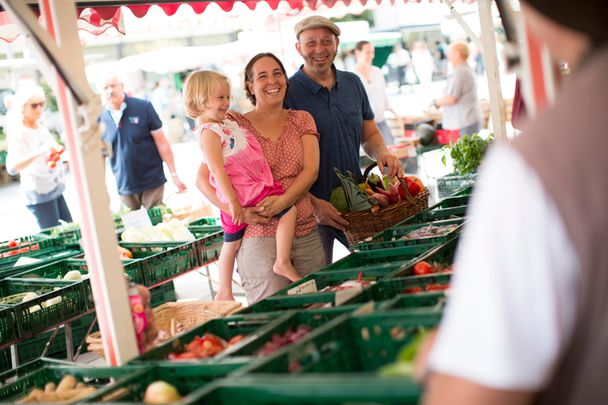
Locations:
(467, 152)
(68, 391)
(280, 340)
(206, 346)
(161, 392)
(172, 231)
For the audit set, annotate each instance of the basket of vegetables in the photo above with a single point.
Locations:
(373, 203)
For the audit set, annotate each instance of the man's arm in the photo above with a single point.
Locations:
(373, 145)
(166, 154)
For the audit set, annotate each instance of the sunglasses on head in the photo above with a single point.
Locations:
(40, 104)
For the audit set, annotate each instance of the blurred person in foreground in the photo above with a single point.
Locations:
(339, 105)
(526, 320)
(375, 86)
(460, 105)
(34, 153)
(139, 147)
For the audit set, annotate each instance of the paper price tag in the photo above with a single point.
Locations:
(23, 260)
(343, 296)
(136, 219)
(305, 288)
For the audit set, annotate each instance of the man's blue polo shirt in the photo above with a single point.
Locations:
(135, 161)
(339, 114)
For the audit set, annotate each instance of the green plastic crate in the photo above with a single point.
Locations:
(98, 377)
(358, 344)
(21, 240)
(334, 278)
(438, 214)
(262, 389)
(387, 289)
(391, 258)
(33, 348)
(7, 324)
(441, 254)
(391, 238)
(226, 328)
(170, 260)
(9, 374)
(451, 202)
(407, 301)
(163, 293)
(302, 302)
(205, 221)
(46, 251)
(186, 378)
(208, 245)
(34, 316)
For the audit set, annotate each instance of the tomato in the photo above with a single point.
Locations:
(59, 150)
(182, 356)
(422, 268)
(413, 290)
(12, 244)
(437, 287)
(51, 164)
(24, 250)
(235, 339)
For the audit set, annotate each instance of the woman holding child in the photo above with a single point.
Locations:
(289, 142)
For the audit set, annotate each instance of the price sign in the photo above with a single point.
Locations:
(136, 219)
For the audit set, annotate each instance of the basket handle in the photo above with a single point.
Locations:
(408, 196)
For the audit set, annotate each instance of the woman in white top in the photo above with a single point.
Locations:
(375, 87)
(32, 152)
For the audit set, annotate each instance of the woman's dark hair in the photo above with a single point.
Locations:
(361, 44)
(249, 71)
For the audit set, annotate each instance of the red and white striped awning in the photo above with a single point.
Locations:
(96, 16)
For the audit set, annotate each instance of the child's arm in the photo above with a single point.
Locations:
(215, 160)
(205, 187)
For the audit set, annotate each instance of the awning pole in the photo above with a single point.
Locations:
(488, 40)
(463, 23)
(60, 48)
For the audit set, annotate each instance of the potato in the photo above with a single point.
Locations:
(68, 382)
(50, 387)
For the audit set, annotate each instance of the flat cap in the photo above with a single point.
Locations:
(316, 21)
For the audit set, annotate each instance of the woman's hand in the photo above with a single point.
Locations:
(252, 216)
(271, 206)
(327, 214)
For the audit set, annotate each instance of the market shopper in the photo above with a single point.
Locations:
(375, 87)
(460, 104)
(240, 174)
(290, 144)
(344, 118)
(139, 147)
(33, 153)
(525, 322)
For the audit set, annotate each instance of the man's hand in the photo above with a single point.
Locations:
(391, 162)
(327, 214)
(181, 187)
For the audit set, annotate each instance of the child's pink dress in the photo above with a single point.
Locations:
(246, 166)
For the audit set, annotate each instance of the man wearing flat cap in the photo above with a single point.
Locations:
(338, 102)
(526, 319)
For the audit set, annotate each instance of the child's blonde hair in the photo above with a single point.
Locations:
(198, 87)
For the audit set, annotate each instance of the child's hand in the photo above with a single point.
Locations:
(237, 213)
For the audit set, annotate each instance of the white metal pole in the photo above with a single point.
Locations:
(488, 40)
(463, 23)
(98, 234)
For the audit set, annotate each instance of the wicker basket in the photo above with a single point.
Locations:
(167, 316)
(363, 224)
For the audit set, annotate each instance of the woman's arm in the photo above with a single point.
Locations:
(302, 183)
(19, 158)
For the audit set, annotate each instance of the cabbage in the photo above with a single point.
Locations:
(171, 231)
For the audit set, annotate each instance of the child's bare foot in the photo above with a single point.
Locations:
(224, 296)
(286, 270)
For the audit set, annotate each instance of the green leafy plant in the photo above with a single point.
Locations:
(467, 152)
